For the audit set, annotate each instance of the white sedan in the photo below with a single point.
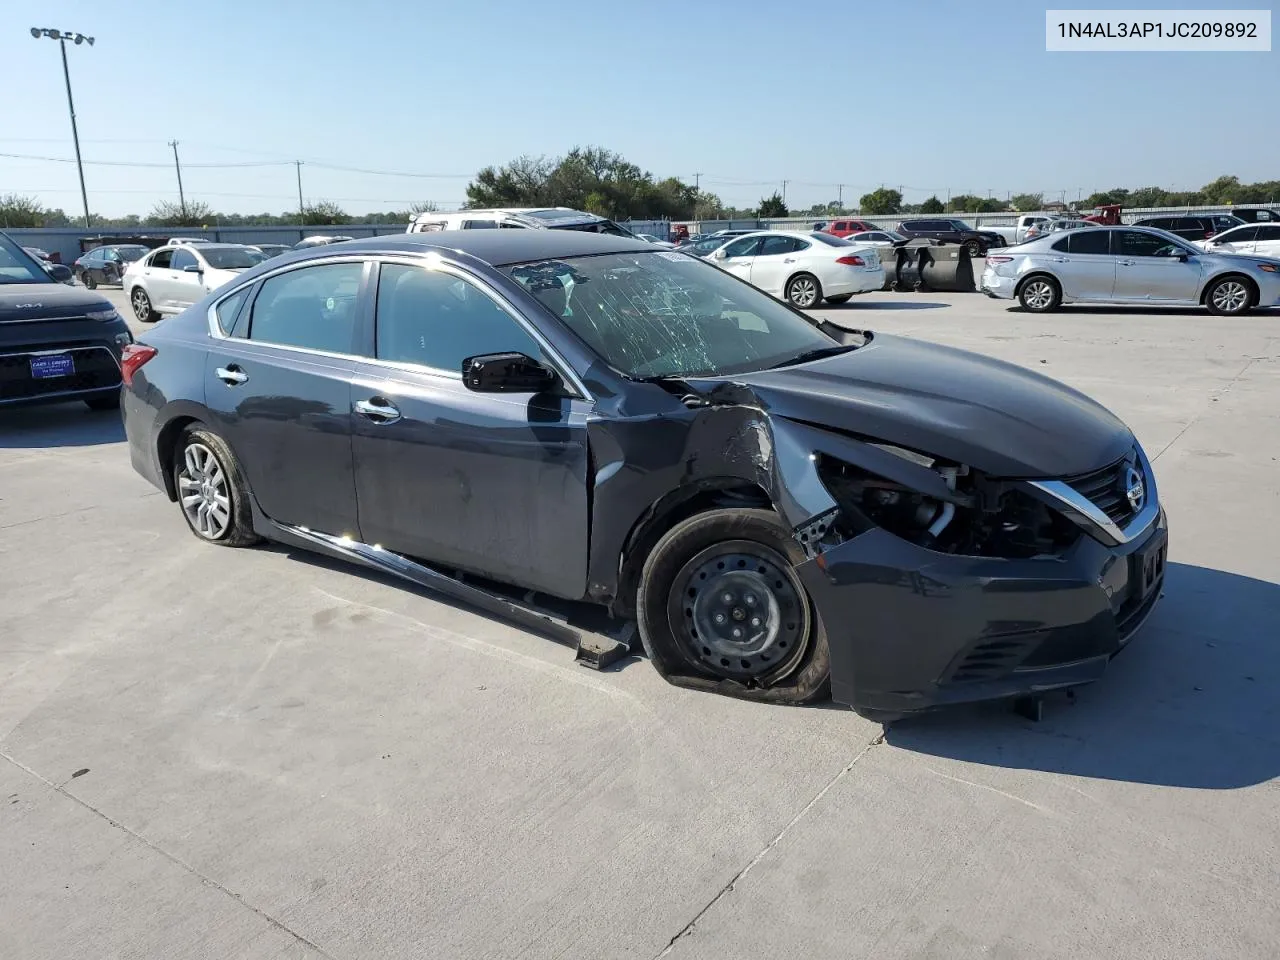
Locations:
(803, 268)
(880, 239)
(1252, 239)
(172, 278)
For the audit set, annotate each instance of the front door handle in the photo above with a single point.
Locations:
(1125, 263)
(231, 375)
(377, 409)
(789, 260)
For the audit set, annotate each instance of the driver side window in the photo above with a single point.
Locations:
(745, 247)
(436, 319)
(1135, 243)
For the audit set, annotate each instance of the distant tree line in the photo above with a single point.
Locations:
(603, 182)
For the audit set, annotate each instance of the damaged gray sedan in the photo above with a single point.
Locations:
(788, 509)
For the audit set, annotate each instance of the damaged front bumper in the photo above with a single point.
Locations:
(910, 629)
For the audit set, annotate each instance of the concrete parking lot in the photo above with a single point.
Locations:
(211, 753)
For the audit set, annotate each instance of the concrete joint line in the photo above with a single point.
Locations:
(728, 887)
(207, 881)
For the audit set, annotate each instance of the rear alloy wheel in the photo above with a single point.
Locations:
(1229, 297)
(1040, 295)
(804, 291)
(142, 306)
(720, 599)
(211, 490)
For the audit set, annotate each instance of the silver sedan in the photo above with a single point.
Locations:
(1129, 266)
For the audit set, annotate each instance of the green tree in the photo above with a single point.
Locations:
(1149, 197)
(1104, 197)
(1027, 201)
(324, 213)
(168, 214)
(932, 205)
(772, 206)
(880, 202)
(19, 211)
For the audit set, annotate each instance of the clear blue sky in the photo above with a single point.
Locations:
(747, 93)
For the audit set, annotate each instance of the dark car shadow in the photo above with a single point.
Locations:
(862, 303)
(586, 618)
(1194, 701)
(61, 425)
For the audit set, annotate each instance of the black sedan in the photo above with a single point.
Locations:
(57, 342)
(108, 264)
(787, 508)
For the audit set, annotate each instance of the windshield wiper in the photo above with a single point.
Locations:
(810, 355)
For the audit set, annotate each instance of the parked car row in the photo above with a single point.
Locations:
(1128, 265)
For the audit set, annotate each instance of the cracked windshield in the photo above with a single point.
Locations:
(654, 315)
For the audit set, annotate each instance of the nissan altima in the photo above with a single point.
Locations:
(786, 508)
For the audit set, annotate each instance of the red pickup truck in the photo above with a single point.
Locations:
(842, 228)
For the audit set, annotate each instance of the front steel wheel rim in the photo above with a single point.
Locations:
(1039, 295)
(803, 292)
(1230, 297)
(203, 492)
(739, 610)
(141, 305)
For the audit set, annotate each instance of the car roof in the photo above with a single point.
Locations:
(499, 247)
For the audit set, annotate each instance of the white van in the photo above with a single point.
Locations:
(518, 218)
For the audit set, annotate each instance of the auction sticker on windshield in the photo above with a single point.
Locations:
(678, 257)
(1136, 31)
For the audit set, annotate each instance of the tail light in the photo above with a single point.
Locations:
(132, 358)
(991, 260)
(852, 261)
(1208, 234)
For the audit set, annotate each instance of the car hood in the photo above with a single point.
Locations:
(47, 301)
(994, 416)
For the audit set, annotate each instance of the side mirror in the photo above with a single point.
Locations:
(59, 271)
(192, 268)
(719, 254)
(506, 373)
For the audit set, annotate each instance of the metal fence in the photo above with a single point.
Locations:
(66, 240)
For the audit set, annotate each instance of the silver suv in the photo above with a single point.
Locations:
(1133, 266)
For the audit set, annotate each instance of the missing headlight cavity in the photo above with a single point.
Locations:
(1001, 522)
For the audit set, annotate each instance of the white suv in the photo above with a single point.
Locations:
(519, 218)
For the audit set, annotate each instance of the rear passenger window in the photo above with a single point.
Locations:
(435, 319)
(312, 307)
(776, 245)
(229, 308)
(479, 224)
(1088, 241)
(1268, 233)
(161, 260)
(1061, 245)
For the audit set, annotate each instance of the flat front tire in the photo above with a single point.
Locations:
(719, 600)
(212, 492)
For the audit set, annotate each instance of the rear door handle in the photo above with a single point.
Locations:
(789, 260)
(1125, 263)
(231, 375)
(1060, 259)
(376, 409)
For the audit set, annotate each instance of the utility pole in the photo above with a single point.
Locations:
(784, 192)
(62, 36)
(302, 213)
(839, 196)
(697, 181)
(182, 197)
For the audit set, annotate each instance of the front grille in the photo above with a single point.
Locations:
(95, 368)
(1105, 489)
